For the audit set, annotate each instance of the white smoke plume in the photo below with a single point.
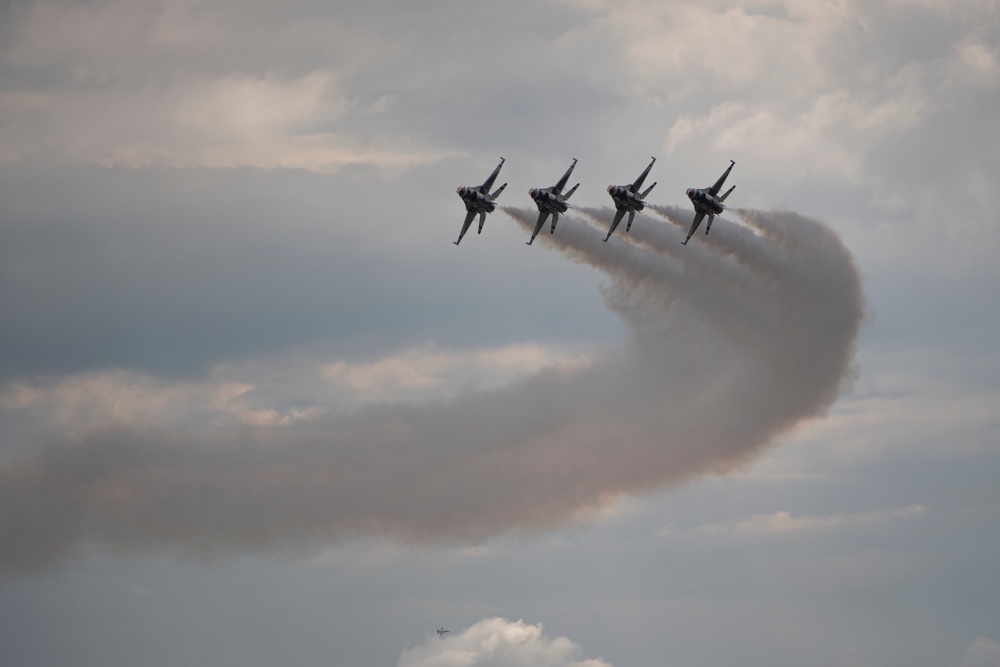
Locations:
(732, 340)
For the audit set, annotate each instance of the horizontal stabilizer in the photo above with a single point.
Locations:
(499, 190)
(572, 190)
(648, 190)
(723, 197)
(708, 227)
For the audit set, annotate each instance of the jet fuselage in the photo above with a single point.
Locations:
(548, 201)
(705, 202)
(479, 200)
(475, 200)
(623, 196)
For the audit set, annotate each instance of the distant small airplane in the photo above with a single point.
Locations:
(441, 631)
(708, 202)
(478, 199)
(552, 201)
(629, 199)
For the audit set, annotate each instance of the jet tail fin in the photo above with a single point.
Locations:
(499, 190)
(648, 190)
(555, 219)
(631, 217)
(482, 221)
(723, 197)
(714, 190)
(708, 227)
(571, 191)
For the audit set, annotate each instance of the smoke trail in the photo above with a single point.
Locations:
(731, 341)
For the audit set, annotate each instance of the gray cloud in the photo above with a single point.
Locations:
(730, 342)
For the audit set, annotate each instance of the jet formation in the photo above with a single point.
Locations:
(627, 198)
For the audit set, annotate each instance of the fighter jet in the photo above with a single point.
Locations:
(708, 202)
(441, 631)
(552, 201)
(478, 199)
(629, 199)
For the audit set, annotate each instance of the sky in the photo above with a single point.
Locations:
(257, 408)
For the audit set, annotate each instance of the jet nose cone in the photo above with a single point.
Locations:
(533, 192)
(611, 189)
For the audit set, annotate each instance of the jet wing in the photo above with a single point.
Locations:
(642, 177)
(619, 214)
(488, 183)
(465, 225)
(694, 225)
(722, 179)
(542, 215)
(558, 187)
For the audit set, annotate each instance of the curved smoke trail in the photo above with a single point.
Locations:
(731, 340)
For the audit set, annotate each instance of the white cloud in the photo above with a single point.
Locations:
(83, 402)
(497, 642)
(785, 522)
(230, 121)
(974, 62)
(829, 132)
(982, 652)
(430, 369)
(191, 84)
(267, 393)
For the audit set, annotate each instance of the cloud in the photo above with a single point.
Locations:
(732, 341)
(428, 368)
(79, 404)
(186, 85)
(281, 391)
(784, 522)
(974, 62)
(982, 652)
(497, 642)
(830, 131)
(230, 121)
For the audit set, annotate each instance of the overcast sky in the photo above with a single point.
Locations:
(256, 408)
